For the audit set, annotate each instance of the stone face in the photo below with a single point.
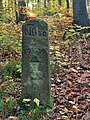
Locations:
(35, 60)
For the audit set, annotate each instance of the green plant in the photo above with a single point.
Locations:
(13, 69)
(33, 109)
(75, 32)
(7, 106)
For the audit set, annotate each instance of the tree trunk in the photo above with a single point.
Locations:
(21, 6)
(68, 4)
(45, 4)
(80, 12)
(16, 13)
(1, 7)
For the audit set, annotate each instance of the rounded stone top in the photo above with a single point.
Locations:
(36, 21)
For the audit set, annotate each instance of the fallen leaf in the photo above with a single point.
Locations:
(74, 70)
(12, 118)
(5, 105)
(30, 113)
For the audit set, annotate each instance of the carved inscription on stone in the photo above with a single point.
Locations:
(34, 31)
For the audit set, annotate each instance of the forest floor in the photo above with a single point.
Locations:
(70, 71)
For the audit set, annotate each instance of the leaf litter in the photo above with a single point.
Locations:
(70, 74)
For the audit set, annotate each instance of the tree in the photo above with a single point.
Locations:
(16, 13)
(80, 12)
(45, 4)
(68, 4)
(1, 7)
(23, 12)
(21, 6)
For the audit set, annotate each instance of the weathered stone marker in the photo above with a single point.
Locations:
(35, 60)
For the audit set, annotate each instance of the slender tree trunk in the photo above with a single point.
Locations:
(21, 6)
(80, 12)
(1, 7)
(68, 4)
(45, 4)
(16, 13)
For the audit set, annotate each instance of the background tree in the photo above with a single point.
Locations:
(80, 12)
(45, 4)
(22, 8)
(68, 4)
(1, 7)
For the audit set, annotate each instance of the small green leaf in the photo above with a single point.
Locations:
(1, 103)
(37, 101)
(27, 105)
(26, 100)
